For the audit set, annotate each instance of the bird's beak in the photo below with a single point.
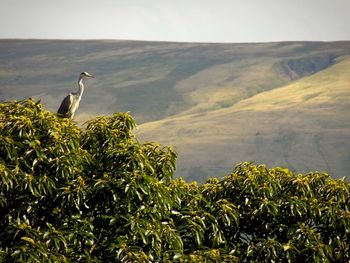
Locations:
(91, 76)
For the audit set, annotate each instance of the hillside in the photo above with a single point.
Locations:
(283, 104)
(304, 125)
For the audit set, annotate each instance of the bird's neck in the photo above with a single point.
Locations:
(81, 86)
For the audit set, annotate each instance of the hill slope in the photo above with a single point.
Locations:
(217, 103)
(304, 125)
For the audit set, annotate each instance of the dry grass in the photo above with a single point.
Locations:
(304, 126)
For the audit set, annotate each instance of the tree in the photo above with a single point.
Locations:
(96, 194)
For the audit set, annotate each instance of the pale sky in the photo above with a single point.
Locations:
(177, 20)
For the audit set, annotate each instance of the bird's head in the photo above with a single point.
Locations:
(85, 74)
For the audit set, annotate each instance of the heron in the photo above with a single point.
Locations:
(71, 102)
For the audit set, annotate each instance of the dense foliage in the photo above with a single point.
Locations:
(98, 195)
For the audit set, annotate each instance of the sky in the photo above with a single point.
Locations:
(177, 20)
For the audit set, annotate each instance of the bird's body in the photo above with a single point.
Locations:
(71, 102)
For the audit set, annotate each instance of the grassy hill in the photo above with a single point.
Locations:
(284, 104)
(304, 125)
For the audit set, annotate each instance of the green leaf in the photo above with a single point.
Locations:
(29, 240)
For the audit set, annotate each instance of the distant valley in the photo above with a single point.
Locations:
(283, 104)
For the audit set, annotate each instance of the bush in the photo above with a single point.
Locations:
(98, 195)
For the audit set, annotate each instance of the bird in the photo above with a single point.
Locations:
(71, 102)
